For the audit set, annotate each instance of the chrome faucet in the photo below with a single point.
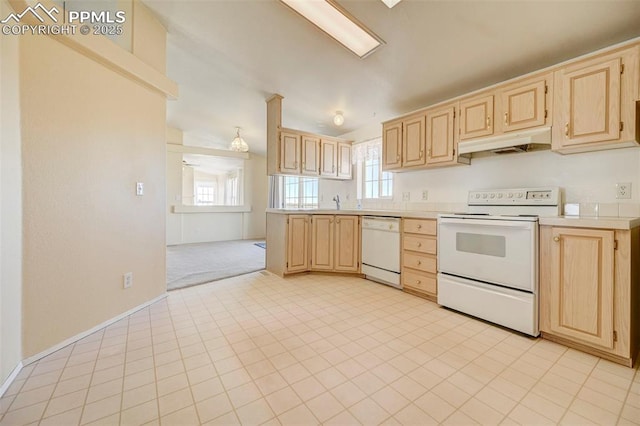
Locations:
(337, 200)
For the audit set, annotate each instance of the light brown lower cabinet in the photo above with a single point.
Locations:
(419, 264)
(589, 291)
(335, 243)
(302, 243)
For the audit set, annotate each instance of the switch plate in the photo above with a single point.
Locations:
(623, 190)
(406, 196)
(127, 280)
(425, 195)
(139, 188)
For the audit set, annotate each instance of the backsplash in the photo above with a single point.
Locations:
(588, 179)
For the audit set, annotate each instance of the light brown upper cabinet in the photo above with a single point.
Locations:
(289, 152)
(392, 145)
(441, 135)
(344, 160)
(413, 140)
(293, 152)
(476, 117)
(596, 103)
(523, 105)
(328, 158)
(310, 155)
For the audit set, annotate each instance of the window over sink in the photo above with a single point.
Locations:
(372, 182)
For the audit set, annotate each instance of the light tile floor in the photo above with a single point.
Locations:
(314, 349)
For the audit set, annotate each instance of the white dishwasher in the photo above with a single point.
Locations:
(381, 249)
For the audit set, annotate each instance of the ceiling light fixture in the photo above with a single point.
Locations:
(238, 144)
(338, 23)
(338, 119)
(391, 3)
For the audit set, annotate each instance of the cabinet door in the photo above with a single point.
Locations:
(588, 103)
(322, 242)
(581, 290)
(289, 152)
(476, 117)
(329, 158)
(310, 155)
(298, 243)
(347, 244)
(413, 141)
(523, 106)
(392, 145)
(344, 160)
(441, 136)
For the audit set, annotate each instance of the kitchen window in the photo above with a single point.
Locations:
(371, 180)
(299, 192)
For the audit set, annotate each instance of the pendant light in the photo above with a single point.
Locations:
(238, 144)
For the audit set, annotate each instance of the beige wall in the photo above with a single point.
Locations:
(89, 134)
(10, 207)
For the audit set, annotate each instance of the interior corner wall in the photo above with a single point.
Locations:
(10, 206)
(256, 193)
(88, 135)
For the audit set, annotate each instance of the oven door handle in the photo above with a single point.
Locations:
(493, 223)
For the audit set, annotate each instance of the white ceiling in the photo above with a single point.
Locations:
(228, 57)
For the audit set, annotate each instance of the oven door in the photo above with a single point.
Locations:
(500, 252)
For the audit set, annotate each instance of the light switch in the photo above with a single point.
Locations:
(139, 188)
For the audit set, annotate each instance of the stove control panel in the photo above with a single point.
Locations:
(515, 197)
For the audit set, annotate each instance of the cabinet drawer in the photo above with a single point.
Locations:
(421, 262)
(420, 226)
(419, 243)
(420, 281)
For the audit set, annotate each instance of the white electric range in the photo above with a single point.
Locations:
(488, 256)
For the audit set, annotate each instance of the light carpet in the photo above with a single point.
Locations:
(192, 264)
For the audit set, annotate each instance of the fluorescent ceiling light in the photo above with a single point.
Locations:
(391, 3)
(338, 23)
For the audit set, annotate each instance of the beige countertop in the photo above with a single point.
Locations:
(384, 213)
(601, 222)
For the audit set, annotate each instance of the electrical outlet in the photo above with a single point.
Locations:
(623, 190)
(406, 196)
(127, 280)
(425, 195)
(139, 188)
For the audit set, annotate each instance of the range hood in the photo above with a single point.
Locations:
(527, 140)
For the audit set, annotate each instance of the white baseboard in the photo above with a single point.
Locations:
(84, 334)
(10, 379)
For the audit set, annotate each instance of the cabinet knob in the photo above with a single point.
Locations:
(506, 118)
(488, 122)
(419, 262)
(556, 239)
(429, 152)
(417, 281)
(337, 220)
(421, 153)
(566, 129)
(419, 226)
(419, 244)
